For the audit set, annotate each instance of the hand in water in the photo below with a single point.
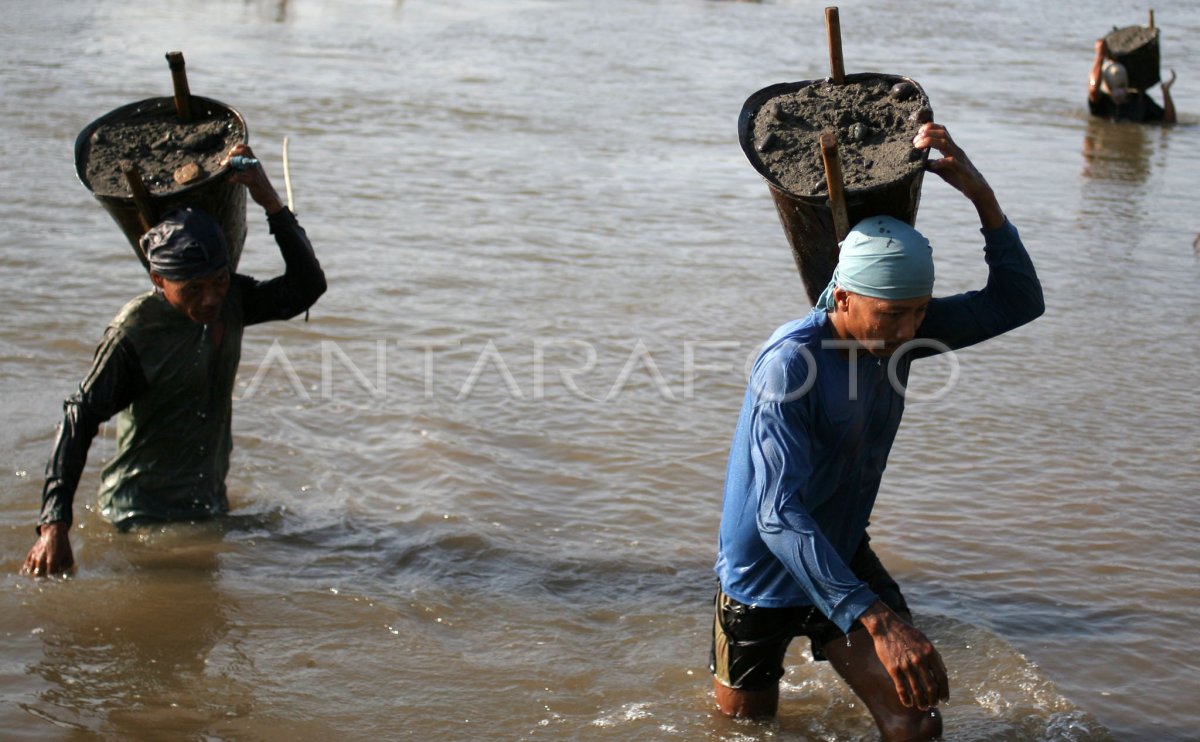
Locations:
(51, 553)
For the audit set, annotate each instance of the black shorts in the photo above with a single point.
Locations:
(749, 644)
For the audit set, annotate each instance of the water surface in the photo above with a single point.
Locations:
(476, 494)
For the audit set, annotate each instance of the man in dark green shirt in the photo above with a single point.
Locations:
(166, 368)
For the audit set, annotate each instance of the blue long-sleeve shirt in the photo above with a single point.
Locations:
(814, 434)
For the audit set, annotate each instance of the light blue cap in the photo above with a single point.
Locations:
(884, 258)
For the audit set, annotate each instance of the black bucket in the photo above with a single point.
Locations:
(808, 220)
(216, 195)
(1136, 48)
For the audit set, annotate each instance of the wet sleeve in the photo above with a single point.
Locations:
(1102, 106)
(302, 282)
(1150, 110)
(114, 381)
(1012, 297)
(782, 459)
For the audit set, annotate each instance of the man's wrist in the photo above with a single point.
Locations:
(991, 216)
(877, 618)
(265, 195)
(272, 205)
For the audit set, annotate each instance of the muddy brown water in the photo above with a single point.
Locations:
(476, 495)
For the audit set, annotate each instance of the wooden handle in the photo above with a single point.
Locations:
(287, 177)
(833, 181)
(141, 197)
(833, 29)
(183, 97)
(1152, 18)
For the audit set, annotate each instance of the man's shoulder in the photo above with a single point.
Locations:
(791, 350)
(136, 310)
(146, 318)
(804, 331)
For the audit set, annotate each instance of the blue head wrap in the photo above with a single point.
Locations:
(884, 258)
(186, 244)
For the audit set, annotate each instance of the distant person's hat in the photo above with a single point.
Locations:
(186, 244)
(1114, 81)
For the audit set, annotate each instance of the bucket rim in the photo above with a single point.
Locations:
(1155, 36)
(82, 141)
(756, 101)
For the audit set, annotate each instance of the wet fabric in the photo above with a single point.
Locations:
(884, 258)
(813, 437)
(1139, 108)
(170, 382)
(749, 643)
(173, 440)
(186, 244)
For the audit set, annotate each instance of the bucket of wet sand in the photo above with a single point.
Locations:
(875, 117)
(178, 163)
(1136, 48)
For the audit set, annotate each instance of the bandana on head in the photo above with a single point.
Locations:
(186, 244)
(884, 258)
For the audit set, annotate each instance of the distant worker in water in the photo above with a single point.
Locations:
(166, 368)
(1111, 96)
(818, 420)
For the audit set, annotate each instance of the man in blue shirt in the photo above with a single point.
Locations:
(820, 414)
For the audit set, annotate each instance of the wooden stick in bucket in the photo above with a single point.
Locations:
(183, 96)
(833, 180)
(833, 29)
(147, 215)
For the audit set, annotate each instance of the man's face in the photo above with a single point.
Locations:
(880, 325)
(198, 299)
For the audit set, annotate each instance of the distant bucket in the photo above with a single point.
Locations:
(808, 220)
(216, 195)
(1136, 48)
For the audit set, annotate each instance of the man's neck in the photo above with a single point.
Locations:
(834, 319)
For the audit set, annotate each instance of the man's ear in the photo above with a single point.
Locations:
(156, 279)
(840, 298)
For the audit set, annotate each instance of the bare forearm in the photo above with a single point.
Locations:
(265, 195)
(991, 216)
(1097, 70)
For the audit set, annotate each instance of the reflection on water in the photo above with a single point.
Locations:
(519, 182)
(1118, 151)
